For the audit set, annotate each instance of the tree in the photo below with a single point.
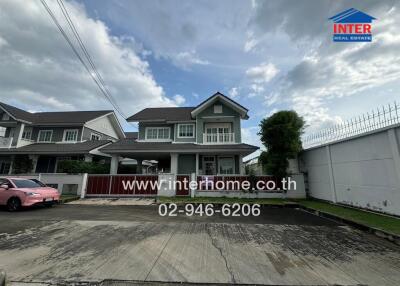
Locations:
(280, 133)
(76, 167)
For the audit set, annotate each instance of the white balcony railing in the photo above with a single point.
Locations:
(218, 138)
(5, 142)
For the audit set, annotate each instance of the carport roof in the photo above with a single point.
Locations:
(125, 146)
(57, 148)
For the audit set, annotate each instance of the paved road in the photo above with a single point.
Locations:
(282, 246)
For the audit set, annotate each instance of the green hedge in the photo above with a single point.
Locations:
(74, 167)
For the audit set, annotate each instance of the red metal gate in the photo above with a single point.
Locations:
(122, 185)
(182, 185)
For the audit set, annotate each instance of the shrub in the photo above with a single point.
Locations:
(74, 167)
(22, 164)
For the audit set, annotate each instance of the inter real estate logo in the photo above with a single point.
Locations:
(352, 25)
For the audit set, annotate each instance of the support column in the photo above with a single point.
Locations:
(197, 164)
(331, 176)
(34, 159)
(11, 164)
(114, 165)
(174, 163)
(242, 170)
(395, 148)
(139, 166)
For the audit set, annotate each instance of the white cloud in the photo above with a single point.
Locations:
(39, 70)
(185, 60)
(262, 73)
(179, 99)
(233, 92)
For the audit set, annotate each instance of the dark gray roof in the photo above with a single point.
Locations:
(56, 148)
(128, 145)
(131, 135)
(174, 113)
(61, 117)
(163, 114)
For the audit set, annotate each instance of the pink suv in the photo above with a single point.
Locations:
(17, 192)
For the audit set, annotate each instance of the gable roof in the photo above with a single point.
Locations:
(48, 118)
(163, 114)
(185, 113)
(219, 96)
(352, 16)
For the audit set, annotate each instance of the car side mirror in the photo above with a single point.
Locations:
(4, 187)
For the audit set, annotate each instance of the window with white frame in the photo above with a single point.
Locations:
(70, 135)
(45, 135)
(27, 133)
(185, 130)
(3, 131)
(226, 165)
(217, 108)
(95, 137)
(157, 133)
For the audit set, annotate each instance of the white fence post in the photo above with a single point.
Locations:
(84, 185)
(192, 188)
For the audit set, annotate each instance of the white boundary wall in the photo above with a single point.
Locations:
(59, 179)
(362, 171)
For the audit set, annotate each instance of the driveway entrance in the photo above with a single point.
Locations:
(282, 246)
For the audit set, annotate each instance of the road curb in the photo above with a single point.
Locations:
(376, 231)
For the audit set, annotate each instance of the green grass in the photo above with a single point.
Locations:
(222, 200)
(385, 223)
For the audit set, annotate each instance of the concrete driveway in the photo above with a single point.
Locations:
(283, 246)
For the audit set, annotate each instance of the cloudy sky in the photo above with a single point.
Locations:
(267, 55)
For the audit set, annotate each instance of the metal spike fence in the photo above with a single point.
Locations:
(382, 117)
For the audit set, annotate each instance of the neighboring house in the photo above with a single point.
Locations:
(253, 167)
(48, 137)
(205, 139)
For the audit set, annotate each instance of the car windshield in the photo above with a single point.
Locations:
(25, 184)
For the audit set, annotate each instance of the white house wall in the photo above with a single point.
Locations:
(365, 171)
(103, 125)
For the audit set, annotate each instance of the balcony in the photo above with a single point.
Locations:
(218, 138)
(5, 142)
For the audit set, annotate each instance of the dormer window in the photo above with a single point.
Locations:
(218, 108)
(71, 135)
(95, 137)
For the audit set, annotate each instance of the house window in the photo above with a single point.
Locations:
(226, 165)
(45, 135)
(185, 130)
(27, 133)
(70, 135)
(5, 117)
(157, 133)
(3, 131)
(95, 137)
(218, 108)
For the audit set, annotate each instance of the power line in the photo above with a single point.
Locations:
(99, 82)
(86, 53)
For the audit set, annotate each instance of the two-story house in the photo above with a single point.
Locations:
(48, 137)
(205, 139)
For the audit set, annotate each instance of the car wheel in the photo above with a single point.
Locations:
(13, 204)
